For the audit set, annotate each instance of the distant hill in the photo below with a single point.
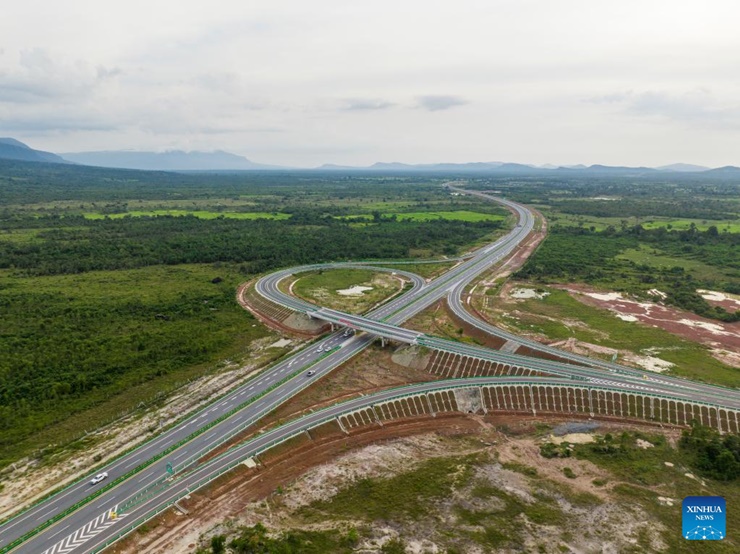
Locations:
(398, 166)
(729, 170)
(174, 160)
(687, 168)
(495, 167)
(11, 149)
(618, 169)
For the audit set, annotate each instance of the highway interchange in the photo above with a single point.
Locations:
(148, 490)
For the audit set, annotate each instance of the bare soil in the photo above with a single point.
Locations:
(716, 334)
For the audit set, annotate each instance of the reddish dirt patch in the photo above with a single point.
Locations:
(715, 299)
(715, 334)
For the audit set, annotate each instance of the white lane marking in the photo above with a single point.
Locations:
(180, 455)
(85, 533)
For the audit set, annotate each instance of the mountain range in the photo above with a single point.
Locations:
(178, 160)
(11, 149)
(173, 160)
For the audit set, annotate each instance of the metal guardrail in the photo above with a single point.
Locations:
(440, 387)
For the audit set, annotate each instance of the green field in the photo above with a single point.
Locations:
(321, 288)
(701, 224)
(647, 255)
(458, 215)
(201, 214)
(552, 317)
(653, 222)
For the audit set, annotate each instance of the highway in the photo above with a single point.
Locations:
(398, 310)
(148, 489)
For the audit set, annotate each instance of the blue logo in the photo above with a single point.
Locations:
(704, 518)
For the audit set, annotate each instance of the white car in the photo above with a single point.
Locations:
(310, 373)
(98, 478)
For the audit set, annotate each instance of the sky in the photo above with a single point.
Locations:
(646, 82)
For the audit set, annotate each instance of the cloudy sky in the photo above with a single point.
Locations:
(296, 82)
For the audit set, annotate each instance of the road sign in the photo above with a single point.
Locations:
(169, 469)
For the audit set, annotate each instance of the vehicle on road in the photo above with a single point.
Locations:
(310, 373)
(98, 478)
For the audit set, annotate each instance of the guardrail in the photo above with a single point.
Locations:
(403, 392)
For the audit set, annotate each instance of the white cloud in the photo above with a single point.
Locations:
(298, 82)
(366, 104)
(435, 103)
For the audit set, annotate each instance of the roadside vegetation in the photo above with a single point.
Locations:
(77, 351)
(651, 472)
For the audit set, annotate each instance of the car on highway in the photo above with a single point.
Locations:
(320, 349)
(98, 478)
(310, 373)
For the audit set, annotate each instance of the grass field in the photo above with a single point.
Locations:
(321, 288)
(201, 214)
(600, 223)
(458, 215)
(648, 255)
(554, 317)
(701, 224)
(19, 236)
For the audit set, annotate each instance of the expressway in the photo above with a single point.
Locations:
(186, 443)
